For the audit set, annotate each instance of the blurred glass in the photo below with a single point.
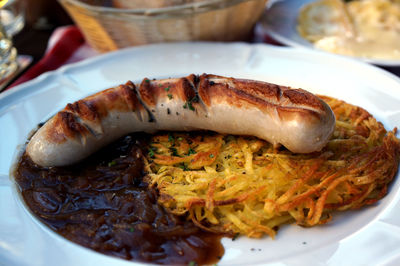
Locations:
(12, 20)
(8, 55)
(12, 15)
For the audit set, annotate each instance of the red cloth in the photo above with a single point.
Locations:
(63, 44)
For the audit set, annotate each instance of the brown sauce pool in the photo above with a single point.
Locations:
(103, 204)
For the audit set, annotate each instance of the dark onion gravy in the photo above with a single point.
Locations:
(103, 204)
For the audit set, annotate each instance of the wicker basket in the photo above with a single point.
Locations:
(139, 22)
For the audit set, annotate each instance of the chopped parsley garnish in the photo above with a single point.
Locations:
(167, 88)
(112, 163)
(151, 153)
(235, 236)
(169, 96)
(183, 167)
(189, 104)
(147, 80)
(174, 151)
(211, 155)
(171, 137)
(191, 151)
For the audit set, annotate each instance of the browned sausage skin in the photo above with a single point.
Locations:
(295, 118)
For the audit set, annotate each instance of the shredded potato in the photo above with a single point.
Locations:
(242, 185)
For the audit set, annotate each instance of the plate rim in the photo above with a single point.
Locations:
(21, 88)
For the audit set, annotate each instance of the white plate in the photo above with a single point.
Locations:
(369, 236)
(280, 20)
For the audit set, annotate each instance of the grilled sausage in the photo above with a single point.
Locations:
(295, 118)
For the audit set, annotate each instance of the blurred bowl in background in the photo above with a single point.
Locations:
(112, 24)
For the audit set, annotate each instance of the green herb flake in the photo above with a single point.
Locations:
(183, 166)
(180, 138)
(235, 236)
(171, 137)
(169, 96)
(192, 263)
(191, 151)
(147, 80)
(112, 163)
(211, 155)
(174, 151)
(151, 153)
(131, 229)
(191, 106)
(167, 88)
